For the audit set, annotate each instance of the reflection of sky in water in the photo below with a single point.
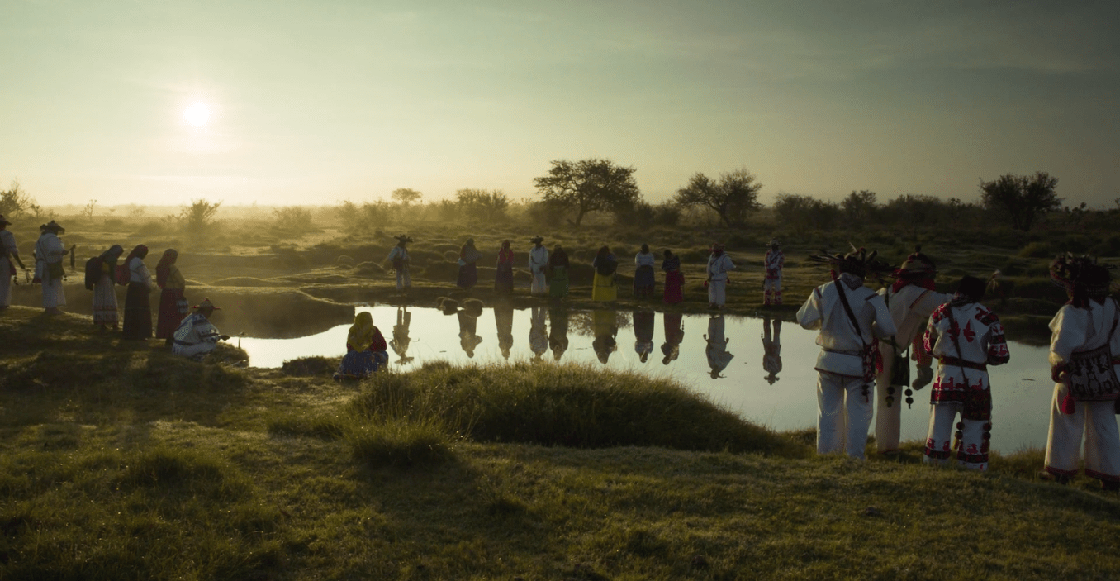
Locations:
(1021, 389)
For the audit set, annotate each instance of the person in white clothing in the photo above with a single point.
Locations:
(196, 335)
(1084, 346)
(966, 338)
(772, 279)
(48, 266)
(911, 300)
(538, 262)
(9, 258)
(719, 264)
(399, 260)
(849, 316)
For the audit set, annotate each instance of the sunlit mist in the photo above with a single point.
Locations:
(197, 114)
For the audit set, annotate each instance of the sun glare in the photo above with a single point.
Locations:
(197, 114)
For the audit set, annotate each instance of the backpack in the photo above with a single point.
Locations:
(123, 275)
(606, 267)
(93, 272)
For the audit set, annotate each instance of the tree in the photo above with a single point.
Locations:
(406, 196)
(87, 211)
(14, 201)
(484, 205)
(859, 206)
(1022, 198)
(732, 197)
(199, 216)
(589, 185)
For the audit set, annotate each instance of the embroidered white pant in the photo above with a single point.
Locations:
(971, 444)
(404, 279)
(1097, 421)
(843, 414)
(539, 285)
(888, 418)
(717, 292)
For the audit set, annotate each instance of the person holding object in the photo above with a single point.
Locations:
(1084, 346)
(719, 264)
(966, 338)
(850, 317)
(48, 266)
(196, 335)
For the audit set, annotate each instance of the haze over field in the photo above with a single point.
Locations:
(314, 102)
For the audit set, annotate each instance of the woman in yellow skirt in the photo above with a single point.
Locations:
(603, 288)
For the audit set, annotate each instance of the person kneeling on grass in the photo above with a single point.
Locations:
(366, 350)
(196, 335)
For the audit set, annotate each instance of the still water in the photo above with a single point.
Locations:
(760, 368)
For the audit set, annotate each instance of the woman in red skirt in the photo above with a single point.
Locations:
(674, 280)
(172, 303)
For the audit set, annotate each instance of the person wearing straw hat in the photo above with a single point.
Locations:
(911, 300)
(538, 262)
(850, 317)
(772, 279)
(966, 338)
(49, 251)
(1084, 364)
(196, 335)
(719, 264)
(9, 258)
(398, 257)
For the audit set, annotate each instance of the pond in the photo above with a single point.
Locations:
(761, 369)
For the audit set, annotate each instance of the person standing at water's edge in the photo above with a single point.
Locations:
(503, 277)
(1084, 363)
(196, 335)
(966, 338)
(105, 289)
(719, 264)
(910, 300)
(9, 258)
(48, 266)
(137, 306)
(172, 304)
(538, 261)
(772, 279)
(603, 287)
(644, 280)
(398, 258)
(366, 350)
(849, 316)
(558, 273)
(468, 265)
(674, 280)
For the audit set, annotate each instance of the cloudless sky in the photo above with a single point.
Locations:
(317, 102)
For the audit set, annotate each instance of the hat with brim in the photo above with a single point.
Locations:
(536, 239)
(54, 227)
(774, 242)
(4, 220)
(404, 238)
(917, 264)
(206, 304)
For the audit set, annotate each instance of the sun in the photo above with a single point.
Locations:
(197, 114)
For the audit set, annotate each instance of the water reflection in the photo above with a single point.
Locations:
(772, 348)
(1021, 390)
(674, 334)
(558, 332)
(503, 320)
(644, 321)
(538, 333)
(605, 328)
(468, 331)
(716, 349)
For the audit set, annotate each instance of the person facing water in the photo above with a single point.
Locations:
(503, 276)
(366, 350)
(558, 273)
(172, 304)
(49, 251)
(538, 262)
(196, 335)
(399, 260)
(603, 287)
(772, 278)
(719, 264)
(674, 280)
(644, 280)
(468, 265)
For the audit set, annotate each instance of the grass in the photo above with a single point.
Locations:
(123, 462)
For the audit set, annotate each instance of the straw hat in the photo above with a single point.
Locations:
(536, 239)
(54, 227)
(404, 238)
(4, 220)
(206, 304)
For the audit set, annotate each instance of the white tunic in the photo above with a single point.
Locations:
(841, 345)
(719, 266)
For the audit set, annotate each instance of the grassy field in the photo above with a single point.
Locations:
(122, 462)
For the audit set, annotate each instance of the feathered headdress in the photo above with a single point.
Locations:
(1081, 277)
(858, 262)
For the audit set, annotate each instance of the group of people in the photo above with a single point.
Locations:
(188, 334)
(863, 367)
(550, 277)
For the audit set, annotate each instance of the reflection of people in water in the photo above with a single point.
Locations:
(605, 326)
(772, 348)
(558, 331)
(538, 333)
(400, 335)
(468, 331)
(503, 318)
(643, 334)
(718, 357)
(674, 334)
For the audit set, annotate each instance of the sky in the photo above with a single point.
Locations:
(296, 103)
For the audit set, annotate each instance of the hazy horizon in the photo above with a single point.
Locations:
(300, 103)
